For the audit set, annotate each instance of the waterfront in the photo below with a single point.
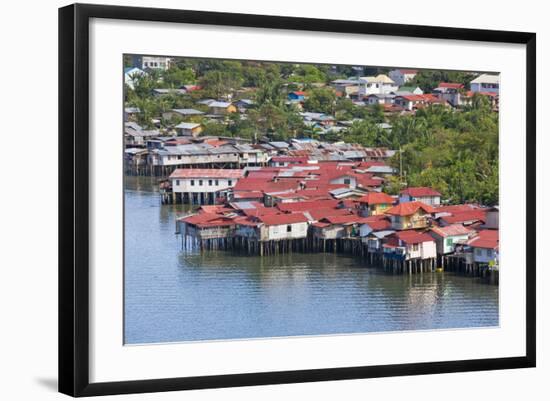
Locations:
(172, 295)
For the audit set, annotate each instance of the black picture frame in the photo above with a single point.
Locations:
(74, 198)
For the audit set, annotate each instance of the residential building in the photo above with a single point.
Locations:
(451, 92)
(410, 215)
(221, 108)
(380, 84)
(447, 237)
(151, 62)
(408, 245)
(183, 113)
(485, 247)
(401, 76)
(425, 195)
(188, 129)
(273, 227)
(485, 83)
(375, 203)
(203, 186)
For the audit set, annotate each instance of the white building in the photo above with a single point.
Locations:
(487, 83)
(203, 186)
(152, 62)
(402, 76)
(381, 84)
(284, 226)
(273, 227)
(409, 245)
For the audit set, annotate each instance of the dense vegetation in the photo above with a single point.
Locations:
(454, 151)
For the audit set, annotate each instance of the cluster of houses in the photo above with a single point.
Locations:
(311, 206)
(394, 95)
(147, 153)
(392, 92)
(267, 196)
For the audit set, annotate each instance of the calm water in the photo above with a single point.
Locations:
(175, 295)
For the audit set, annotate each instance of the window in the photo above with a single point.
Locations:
(192, 183)
(209, 183)
(488, 252)
(415, 247)
(216, 182)
(449, 242)
(347, 181)
(177, 182)
(289, 229)
(200, 182)
(229, 182)
(179, 157)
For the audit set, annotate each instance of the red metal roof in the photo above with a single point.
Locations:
(487, 239)
(257, 184)
(449, 231)
(465, 217)
(343, 219)
(318, 214)
(248, 195)
(456, 208)
(371, 164)
(376, 198)
(408, 208)
(307, 205)
(265, 175)
(413, 98)
(246, 221)
(206, 173)
(420, 191)
(412, 237)
(320, 224)
(377, 225)
(364, 181)
(261, 211)
(208, 220)
(219, 209)
(283, 218)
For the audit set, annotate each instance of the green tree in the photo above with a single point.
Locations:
(321, 100)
